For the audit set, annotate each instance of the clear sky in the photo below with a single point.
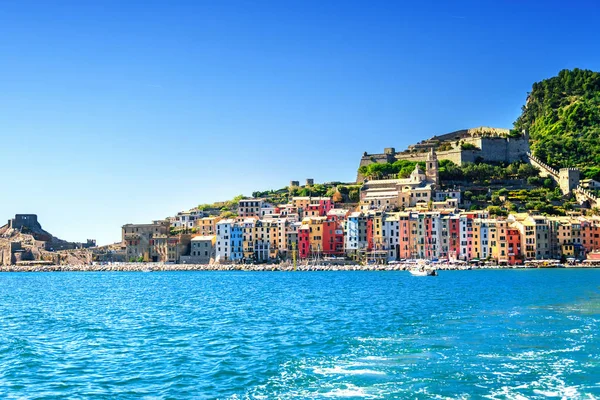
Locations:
(127, 111)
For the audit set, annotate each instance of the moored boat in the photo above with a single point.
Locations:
(423, 272)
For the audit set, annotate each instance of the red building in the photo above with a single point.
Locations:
(454, 238)
(404, 236)
(513, 240)
(590, 236)
(369, 233)
(319, 207)
(325, 204)
(428, 236)
(303, 241)
(333, 239)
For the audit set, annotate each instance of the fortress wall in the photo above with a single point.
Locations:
(494, 149)
(499, 149)
(518, 148)
(454, 155)
(368, 159)
(452, 136)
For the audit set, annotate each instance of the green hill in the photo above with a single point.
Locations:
(562, 116)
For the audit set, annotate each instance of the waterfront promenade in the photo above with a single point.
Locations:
(283, 267)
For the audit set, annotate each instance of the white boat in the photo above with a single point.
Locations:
(423, 272)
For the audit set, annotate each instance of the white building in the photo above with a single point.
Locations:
(391, 235)
(355, 229)
(223, 246)
(186, 219)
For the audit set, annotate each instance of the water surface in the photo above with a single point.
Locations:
(464, 334)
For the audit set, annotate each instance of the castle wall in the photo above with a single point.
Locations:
(545, 170)
(492, 148)
(457, 135)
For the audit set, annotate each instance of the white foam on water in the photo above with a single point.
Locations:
(505, 392)
(338, 370)
(490, 355)
(348, 391)
(536, 354)
(383, 339)
(375, 358)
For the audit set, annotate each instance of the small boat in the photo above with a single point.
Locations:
(423, 271)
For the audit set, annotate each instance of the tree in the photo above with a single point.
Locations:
(527, 170)
(494, 210)
(237, 199)
(337, 197)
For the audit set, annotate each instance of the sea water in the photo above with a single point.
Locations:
(464, 334)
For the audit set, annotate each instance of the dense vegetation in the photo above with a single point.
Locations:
(483, 172)
(546, 199)
(562, 116)
(398, 169)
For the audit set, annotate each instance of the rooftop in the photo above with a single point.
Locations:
(202, 238)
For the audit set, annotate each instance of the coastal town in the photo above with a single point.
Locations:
(381, 219)
(313, 228)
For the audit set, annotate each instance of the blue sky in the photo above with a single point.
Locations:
(113, 113)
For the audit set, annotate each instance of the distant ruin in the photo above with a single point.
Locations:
(23, 239)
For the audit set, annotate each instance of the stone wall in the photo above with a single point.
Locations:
(567, 179)
(491, 148)
(545, 169)
(584, 195)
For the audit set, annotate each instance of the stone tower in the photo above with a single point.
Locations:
(568, 179)
(432, 167)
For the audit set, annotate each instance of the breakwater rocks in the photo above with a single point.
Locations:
(155, 267)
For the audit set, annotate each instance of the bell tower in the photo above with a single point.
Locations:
(432, 167)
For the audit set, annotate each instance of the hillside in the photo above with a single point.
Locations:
(562, 116)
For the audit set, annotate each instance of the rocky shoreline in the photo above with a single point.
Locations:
(158, 267)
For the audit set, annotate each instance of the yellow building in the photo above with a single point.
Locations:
(248, 233)
(535, 235)
(476, 239)
(315, 226)
(207, 226)
(562, 236)
(498, 239)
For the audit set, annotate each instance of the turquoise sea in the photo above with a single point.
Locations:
(465, 334)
